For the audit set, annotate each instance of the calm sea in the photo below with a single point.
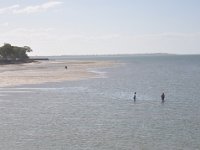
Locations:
(100, 114)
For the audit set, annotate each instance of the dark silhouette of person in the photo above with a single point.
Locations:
(163, 97)
(65, 67)
(134, 97)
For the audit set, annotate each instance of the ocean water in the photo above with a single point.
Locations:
(100, 114)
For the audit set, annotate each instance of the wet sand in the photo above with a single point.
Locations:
(50, 71)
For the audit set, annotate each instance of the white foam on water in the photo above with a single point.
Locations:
(99, 74)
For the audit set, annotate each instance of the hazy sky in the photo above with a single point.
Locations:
(61, 27)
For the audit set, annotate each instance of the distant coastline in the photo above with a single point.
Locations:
(110, 55)
(107, 55)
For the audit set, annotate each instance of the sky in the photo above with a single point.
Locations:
(84, 27)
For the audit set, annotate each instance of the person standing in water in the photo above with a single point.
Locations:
(163, 97)
(134, 97)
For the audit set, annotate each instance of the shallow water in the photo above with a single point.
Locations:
(99, 113)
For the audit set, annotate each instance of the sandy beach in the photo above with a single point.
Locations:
(50, 71)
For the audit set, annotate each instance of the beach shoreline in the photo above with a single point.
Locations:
(51, 71)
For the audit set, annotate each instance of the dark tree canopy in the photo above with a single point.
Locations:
(8, 52)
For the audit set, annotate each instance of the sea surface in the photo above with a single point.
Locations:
(100, 114)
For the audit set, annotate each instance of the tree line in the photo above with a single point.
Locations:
(14, 53)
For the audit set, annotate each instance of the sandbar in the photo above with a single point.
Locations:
(51, 71)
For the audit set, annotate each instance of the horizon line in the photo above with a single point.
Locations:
(114, 54)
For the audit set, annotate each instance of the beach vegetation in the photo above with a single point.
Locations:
(14, 53)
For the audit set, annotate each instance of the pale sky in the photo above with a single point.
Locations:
(70, 27)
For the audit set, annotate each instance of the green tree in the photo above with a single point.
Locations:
(8, 52)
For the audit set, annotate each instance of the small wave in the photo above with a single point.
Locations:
(100, 74)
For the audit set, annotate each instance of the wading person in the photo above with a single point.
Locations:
(134, 97)
(163, 97)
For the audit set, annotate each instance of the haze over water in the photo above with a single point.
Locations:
(99, 113)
